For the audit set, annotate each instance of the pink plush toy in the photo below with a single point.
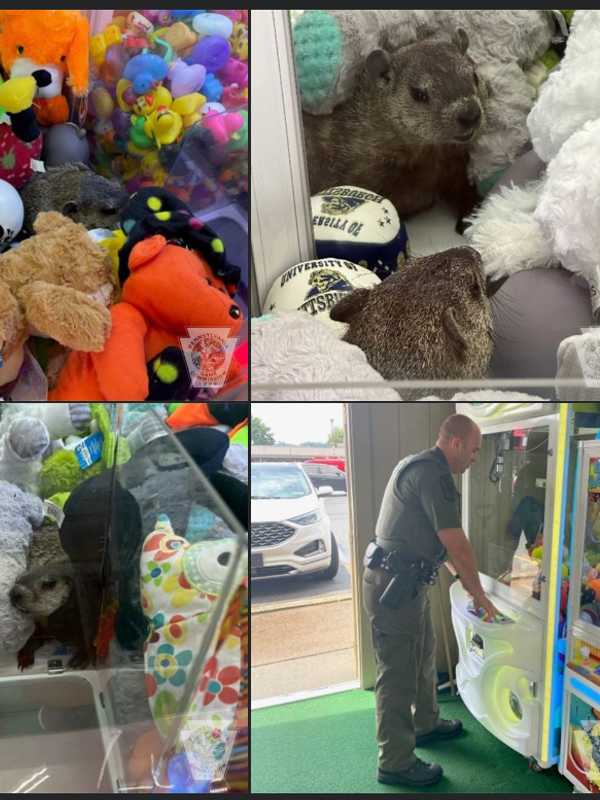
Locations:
(234, 71)
(222, 126)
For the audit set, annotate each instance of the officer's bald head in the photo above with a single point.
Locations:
(460, 441)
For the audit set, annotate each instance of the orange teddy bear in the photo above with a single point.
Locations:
(169, 289)
(55, 41)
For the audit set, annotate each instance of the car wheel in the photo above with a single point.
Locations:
(332, 570)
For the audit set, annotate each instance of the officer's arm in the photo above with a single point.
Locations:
(439, 499)
(462, 558)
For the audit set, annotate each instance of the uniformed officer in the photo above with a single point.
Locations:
(418, 529)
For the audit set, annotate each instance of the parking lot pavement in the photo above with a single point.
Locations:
(271, 591)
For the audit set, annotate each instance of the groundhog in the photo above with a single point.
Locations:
(47, 593)
(430, 321)
(406, 131)
(77, 192)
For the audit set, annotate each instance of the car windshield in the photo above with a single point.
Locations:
(278, 483)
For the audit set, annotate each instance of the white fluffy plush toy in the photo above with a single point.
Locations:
(555, 221)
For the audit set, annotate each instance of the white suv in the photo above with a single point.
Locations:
(290, 532)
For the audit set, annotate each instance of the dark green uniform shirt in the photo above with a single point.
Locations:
(420, 499)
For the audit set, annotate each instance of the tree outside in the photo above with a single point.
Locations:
(336, 437)
(260, 432)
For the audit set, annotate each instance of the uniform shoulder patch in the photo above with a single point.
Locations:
(448, 487)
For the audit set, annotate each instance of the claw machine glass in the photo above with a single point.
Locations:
(509, 669)
(123, 649)
(580, 748)
(168, 107)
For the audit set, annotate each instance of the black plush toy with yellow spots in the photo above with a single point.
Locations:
(156, 211)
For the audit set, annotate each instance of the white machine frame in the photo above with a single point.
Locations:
(525, 650)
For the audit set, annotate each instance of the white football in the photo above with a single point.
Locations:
(316, 286)
(361, 226)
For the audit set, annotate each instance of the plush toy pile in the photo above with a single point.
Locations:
(113, 544)
(91, 278)
(553, 221)
(166, 84)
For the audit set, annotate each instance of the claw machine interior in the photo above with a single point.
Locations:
(580, 747)
(187, 129)
(123, 638)
(509, 671)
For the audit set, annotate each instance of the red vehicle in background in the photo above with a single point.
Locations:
(332, 461)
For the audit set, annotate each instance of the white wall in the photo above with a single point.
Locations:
(281, 232)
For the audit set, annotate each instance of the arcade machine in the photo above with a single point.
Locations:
(510, 670)
(580, 746)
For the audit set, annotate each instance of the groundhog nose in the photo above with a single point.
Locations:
(470, 116)
(15, 595)
(235, 312)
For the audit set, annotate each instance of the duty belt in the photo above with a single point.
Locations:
(423, 571)
(426, 572)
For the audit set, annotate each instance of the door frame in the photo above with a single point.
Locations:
(281, 232)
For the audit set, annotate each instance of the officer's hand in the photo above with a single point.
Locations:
(488, 607)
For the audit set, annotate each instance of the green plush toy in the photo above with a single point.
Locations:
(62, 471)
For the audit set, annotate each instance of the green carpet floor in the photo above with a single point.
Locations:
(328, 745)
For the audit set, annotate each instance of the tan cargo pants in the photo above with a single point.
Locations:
(404, 643)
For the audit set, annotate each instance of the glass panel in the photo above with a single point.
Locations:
(583, 743)
(507, 488)
(125, 605)
(589, 610)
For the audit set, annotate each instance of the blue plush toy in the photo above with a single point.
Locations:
(145, 72)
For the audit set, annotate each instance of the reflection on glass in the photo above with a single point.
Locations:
(507, 488)
(590, 573)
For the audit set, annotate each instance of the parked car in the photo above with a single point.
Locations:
(325, 475)
(290, 532)
(333, 461)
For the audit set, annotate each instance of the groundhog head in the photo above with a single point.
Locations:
(429, 90)
(41, 592)
(429, 321)
(77, 192)
(48, 582)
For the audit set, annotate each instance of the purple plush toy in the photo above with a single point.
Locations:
(186, 78)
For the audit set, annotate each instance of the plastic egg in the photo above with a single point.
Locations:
(212, 25)
(102, 102)
(218, 107)
(11, 212)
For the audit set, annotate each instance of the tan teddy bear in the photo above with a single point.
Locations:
(56, 284)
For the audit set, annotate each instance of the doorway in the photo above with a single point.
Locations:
(302, 597)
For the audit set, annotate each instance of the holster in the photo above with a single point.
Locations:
(402, 588)
(374, 556)
(404, 583)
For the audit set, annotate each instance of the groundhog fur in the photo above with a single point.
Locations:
(47, 592)
(406, 131)
(77, 192)
(429, 321)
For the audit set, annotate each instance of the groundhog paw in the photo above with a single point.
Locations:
(25, 658)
